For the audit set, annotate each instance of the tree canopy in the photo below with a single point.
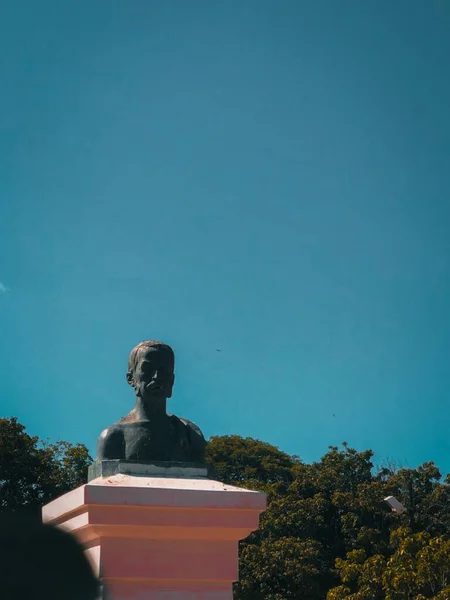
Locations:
(33, 472)
(327, 533)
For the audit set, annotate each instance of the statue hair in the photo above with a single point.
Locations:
(134, 354)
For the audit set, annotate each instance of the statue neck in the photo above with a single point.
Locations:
(150, 409)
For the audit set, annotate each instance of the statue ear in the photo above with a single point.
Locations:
(130, 378)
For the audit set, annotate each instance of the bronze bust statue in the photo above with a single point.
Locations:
(148, 433)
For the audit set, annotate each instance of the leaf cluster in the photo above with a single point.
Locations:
(327, 532)
(33, 472)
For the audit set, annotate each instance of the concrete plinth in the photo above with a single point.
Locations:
(160, 538)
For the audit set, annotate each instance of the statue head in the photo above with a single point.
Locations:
(151, 370)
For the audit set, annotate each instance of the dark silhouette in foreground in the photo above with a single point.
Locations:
(39, 561)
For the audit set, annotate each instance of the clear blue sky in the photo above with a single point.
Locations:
(266, 177)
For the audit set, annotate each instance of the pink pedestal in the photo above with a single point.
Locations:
(158, 538)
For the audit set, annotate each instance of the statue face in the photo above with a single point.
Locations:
(154, 373)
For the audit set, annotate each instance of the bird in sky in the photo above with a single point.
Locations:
(219, 350)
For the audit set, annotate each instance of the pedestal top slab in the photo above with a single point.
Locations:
(172, 483)
(166, 492)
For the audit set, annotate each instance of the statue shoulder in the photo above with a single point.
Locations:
(192, 426)
(111, 443)
(111, 431)
(195, 451)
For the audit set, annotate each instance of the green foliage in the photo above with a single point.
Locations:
(282, 568)
(419, 567)
(361, 577)
(328, 534)
(33, 472)
(239, 460)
